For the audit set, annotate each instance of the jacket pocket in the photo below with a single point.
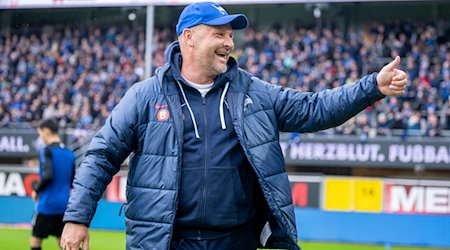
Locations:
(225, 197)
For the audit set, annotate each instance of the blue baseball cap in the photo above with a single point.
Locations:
(211, 14)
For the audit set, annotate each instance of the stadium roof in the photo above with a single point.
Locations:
(23, 4)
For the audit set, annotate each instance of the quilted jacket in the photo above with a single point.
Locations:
(259, 111)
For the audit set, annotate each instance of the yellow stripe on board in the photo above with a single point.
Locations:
(353, 194)
(338, 194)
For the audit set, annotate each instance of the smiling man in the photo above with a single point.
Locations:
(207, 170)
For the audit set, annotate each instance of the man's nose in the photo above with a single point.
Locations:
(229, 43)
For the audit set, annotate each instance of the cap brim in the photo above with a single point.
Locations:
(237, 21)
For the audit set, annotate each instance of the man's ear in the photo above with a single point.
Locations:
(46, 131)
(188, 37)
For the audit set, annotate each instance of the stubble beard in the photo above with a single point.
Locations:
(215, 68)
(223, 69)
(219, 68)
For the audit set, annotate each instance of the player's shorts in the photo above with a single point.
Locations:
(45, 225)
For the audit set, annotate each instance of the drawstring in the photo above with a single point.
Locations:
(222, 98)
(222, 116)
(190, 110)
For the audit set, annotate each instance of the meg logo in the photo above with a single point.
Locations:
(162, 115)
(220, 9)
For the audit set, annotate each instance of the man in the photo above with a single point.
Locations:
(56, 169)
(207, 170)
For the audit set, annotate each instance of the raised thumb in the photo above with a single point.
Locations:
(394, 64)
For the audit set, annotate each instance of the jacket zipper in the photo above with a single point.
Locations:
(239, 119)
(180, 150)
(205, 170)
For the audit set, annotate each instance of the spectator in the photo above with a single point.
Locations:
(432, 125)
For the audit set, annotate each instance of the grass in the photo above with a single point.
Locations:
(337, 246)
(14, 239)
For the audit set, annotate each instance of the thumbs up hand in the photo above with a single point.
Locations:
(392, 81)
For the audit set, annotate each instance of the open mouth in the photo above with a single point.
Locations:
(222, 55)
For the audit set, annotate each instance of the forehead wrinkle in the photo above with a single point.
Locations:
(211, 28)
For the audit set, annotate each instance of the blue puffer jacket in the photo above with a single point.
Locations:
(148, 122)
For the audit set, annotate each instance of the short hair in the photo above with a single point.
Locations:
(50, 124)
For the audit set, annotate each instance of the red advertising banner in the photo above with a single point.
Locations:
(430, 198)
(399, 196)
(17, 184)
(305, 191)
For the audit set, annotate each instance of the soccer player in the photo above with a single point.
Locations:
(56, 169)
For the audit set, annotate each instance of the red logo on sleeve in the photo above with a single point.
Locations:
(162, 115)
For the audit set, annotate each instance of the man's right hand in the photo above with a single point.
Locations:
(73, 235)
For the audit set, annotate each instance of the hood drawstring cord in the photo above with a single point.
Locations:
(221, 112)
(190, 110)
(222, 99)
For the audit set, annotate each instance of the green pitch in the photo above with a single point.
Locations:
(13, 239)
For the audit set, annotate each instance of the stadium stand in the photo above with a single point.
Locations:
(311, 61)
(78, 74)
(74, 75)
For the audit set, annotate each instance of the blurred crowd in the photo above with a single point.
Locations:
(313, 60)
(74, 75)
(79, 75)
